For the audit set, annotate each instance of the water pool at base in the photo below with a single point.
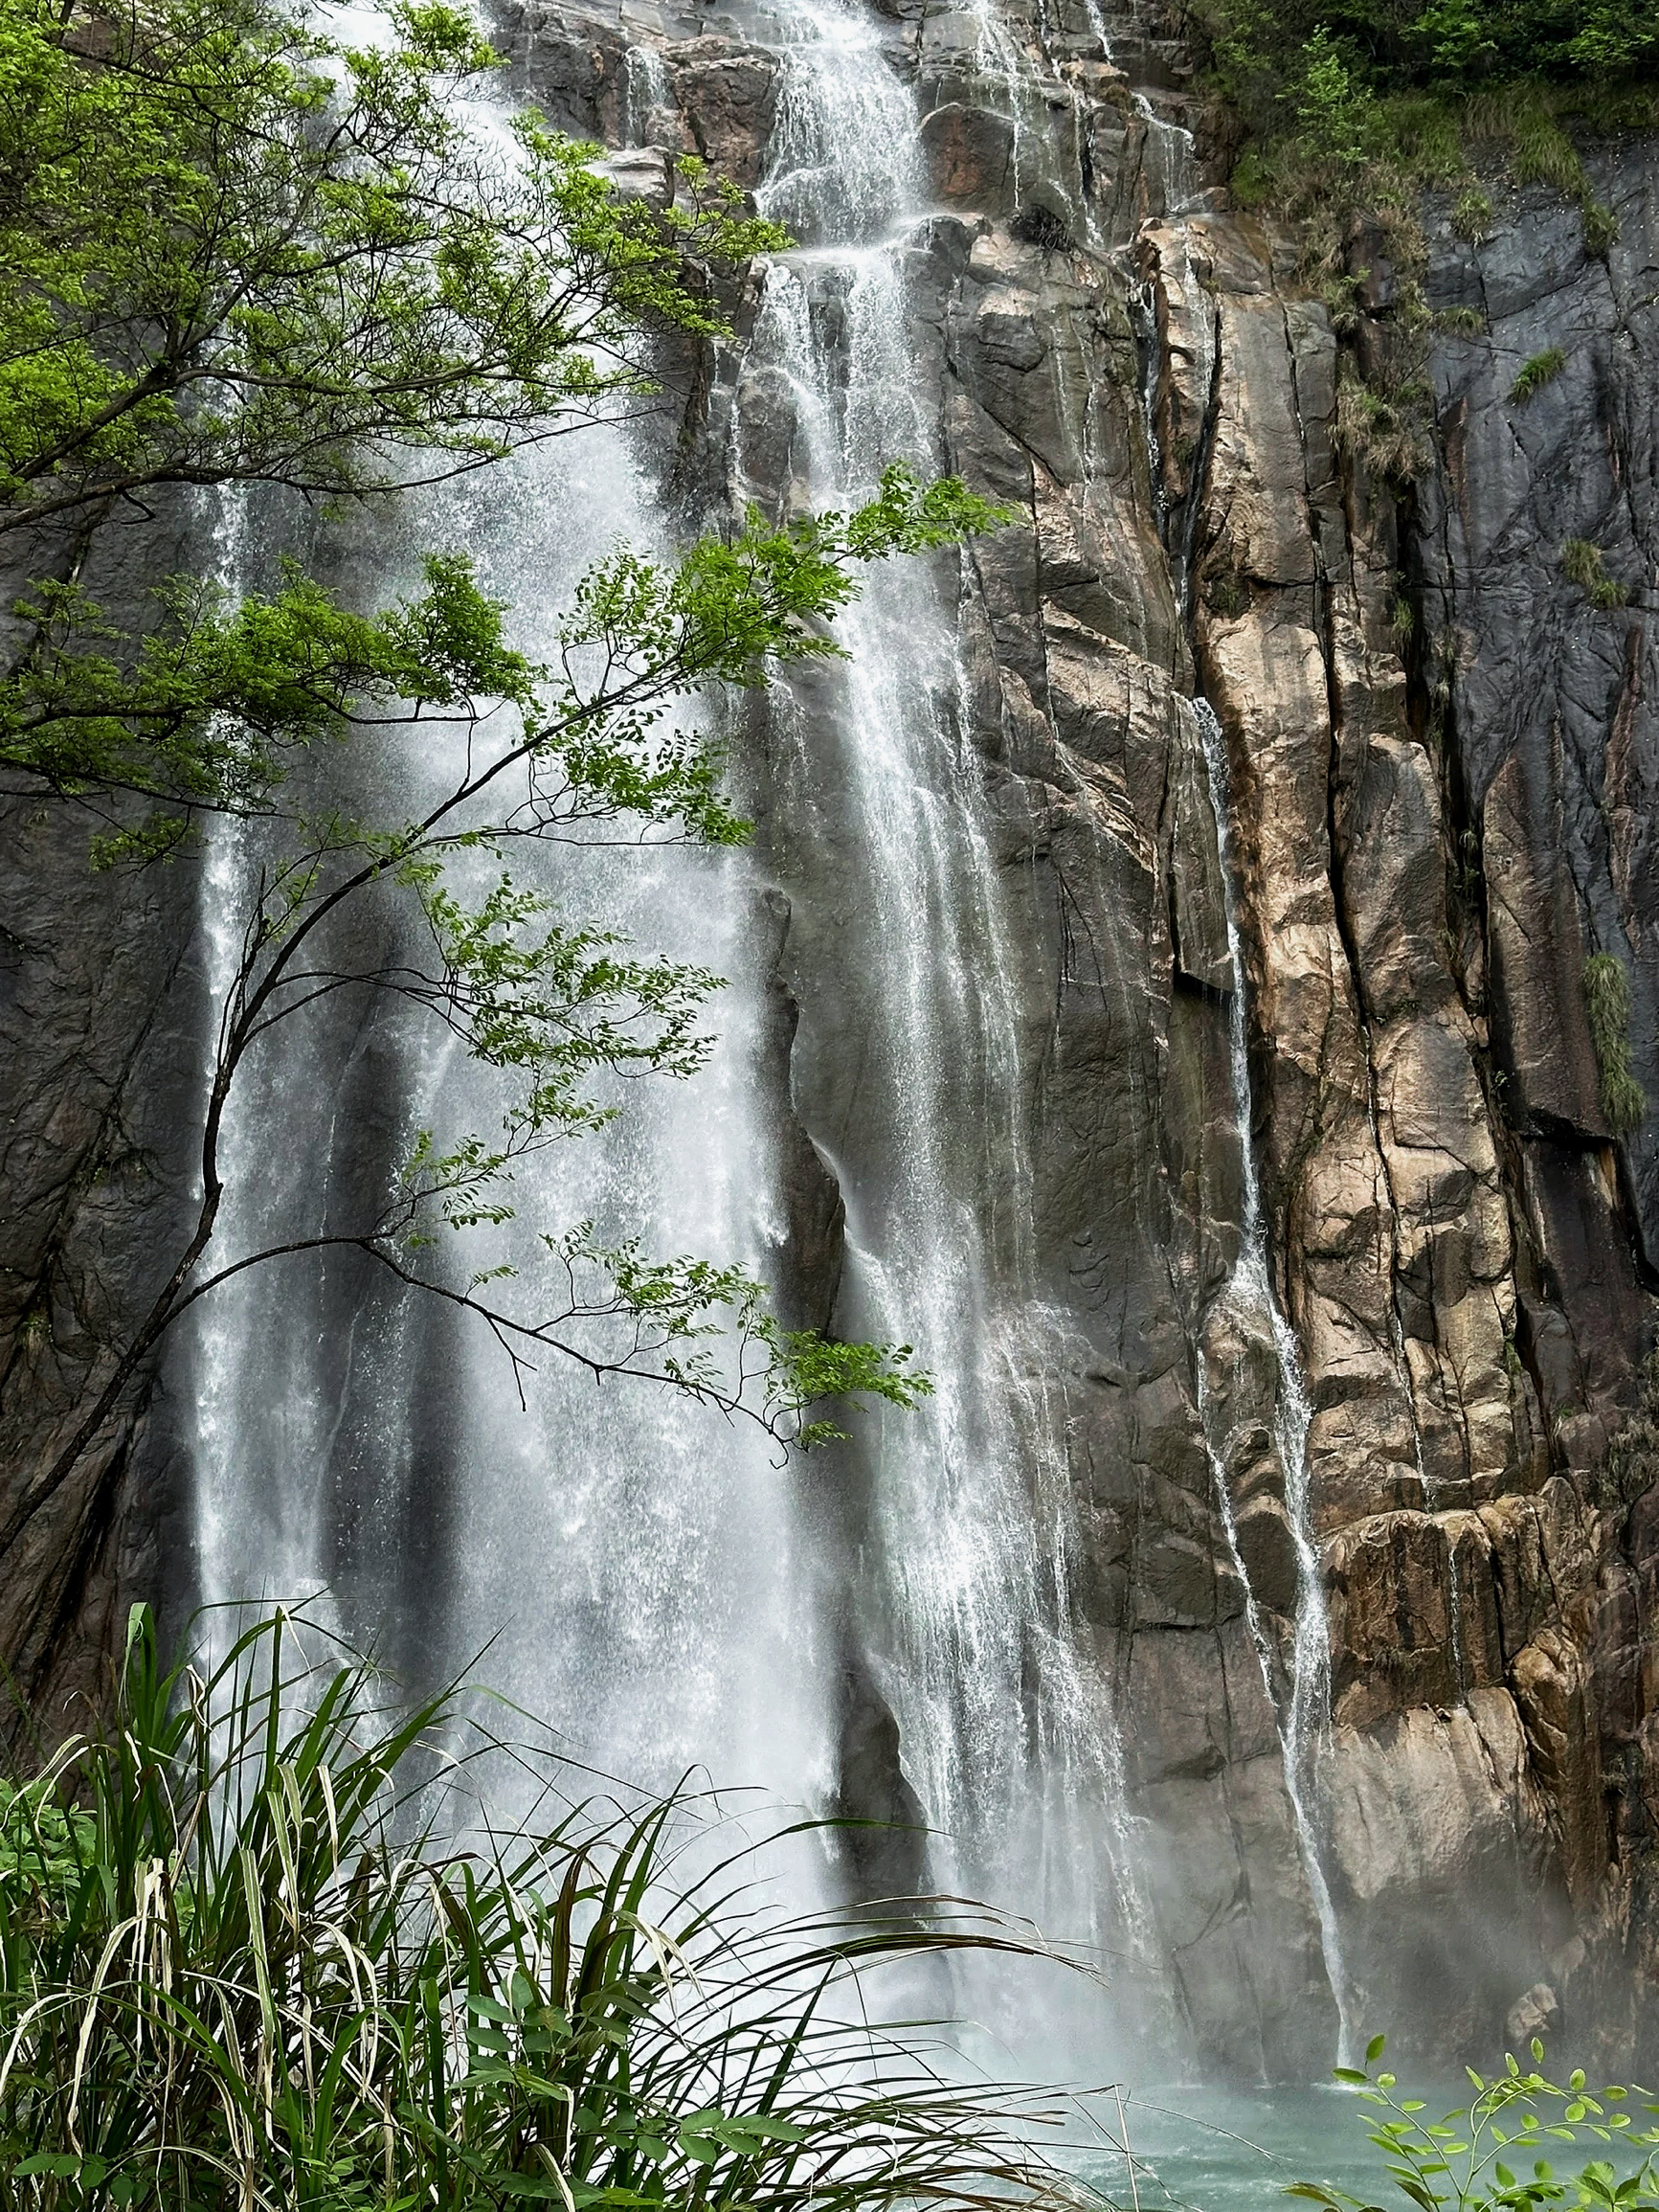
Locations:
(1223, 2151)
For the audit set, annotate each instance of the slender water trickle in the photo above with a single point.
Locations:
(1303, 1708)
(1171, 149)
(1299, 1693)
(1171, 146)
(996, 56)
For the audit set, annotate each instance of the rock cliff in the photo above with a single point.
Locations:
(1435, 761)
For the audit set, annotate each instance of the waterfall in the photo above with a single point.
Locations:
(629, 1566)
(965, 1604)
(636, 1567)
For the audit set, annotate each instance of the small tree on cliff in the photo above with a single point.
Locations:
(233, 251)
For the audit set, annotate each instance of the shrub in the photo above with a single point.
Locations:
(1607, 998)
(261, 1950)
(1542, 370)
(1468, 2160)
(1601, 230)
(1334, 108)
(1472, 214)
(1581, 565)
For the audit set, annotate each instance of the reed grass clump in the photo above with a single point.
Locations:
(1542, 370)
(1386, 426)
(1581, 565)
(1607, 999)
(260, 1950)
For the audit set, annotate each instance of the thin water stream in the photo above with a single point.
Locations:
(1303, 1704)
(1298, 1683)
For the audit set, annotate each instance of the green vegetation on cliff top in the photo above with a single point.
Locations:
(1353, 106)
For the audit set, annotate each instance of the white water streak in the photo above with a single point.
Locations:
(1006, 1730)
(1304, 1715)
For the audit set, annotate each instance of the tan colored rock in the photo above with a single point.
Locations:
(1440, 1846)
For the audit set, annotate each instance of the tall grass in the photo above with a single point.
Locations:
(1607, 987)
(260, 1948)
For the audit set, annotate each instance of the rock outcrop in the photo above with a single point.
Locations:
(99, 1018)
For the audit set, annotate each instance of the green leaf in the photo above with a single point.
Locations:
(1375, 2049)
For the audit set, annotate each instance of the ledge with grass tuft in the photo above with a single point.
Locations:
(1542, 370)
(1607, 1000)
(1581, 565)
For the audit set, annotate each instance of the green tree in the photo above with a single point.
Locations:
(232, 252)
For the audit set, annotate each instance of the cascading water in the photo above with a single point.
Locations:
(646, 95)
(1006, 1733)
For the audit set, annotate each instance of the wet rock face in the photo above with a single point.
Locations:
(1428, 828)
(98, 1013)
